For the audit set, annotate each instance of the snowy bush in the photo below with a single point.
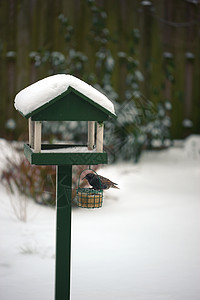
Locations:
(139, 126)
(192, 147)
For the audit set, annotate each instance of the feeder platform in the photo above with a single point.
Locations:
(60, 154)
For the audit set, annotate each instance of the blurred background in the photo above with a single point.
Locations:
(144, 55)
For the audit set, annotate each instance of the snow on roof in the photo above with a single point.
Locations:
(43, 91)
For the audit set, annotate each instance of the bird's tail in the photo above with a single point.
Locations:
(115, 187)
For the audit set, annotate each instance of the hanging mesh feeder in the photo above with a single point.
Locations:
(88, 197)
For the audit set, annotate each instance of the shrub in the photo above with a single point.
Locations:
(36, 182)
(31, 181)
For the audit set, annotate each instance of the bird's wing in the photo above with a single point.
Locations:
(106, 180)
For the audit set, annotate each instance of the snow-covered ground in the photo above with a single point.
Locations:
(143, 244)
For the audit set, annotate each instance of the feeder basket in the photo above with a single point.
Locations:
(88, 197)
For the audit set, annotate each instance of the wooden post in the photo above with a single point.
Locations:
(37, 136)
(91, 125)
(63, 231)
(99, 138)
(31, 132)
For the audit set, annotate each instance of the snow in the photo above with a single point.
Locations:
(143, 244)
(192, 147)
(43, 91)
(146, 3)
(187, 123)
(69, 150)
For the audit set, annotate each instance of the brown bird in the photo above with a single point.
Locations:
(99, 182)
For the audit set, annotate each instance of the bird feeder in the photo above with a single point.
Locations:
(89, 197)
(64, 98)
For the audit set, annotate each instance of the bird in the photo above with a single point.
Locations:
(99, 182)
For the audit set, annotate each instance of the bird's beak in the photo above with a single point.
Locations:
(83, 178)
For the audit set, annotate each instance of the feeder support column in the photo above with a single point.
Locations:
(99, 138)
(91, 126)
(63, 232)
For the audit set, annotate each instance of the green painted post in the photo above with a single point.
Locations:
(63, 232)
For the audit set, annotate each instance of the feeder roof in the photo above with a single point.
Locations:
(43, 93)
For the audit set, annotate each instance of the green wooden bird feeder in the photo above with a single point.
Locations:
(64, 98)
